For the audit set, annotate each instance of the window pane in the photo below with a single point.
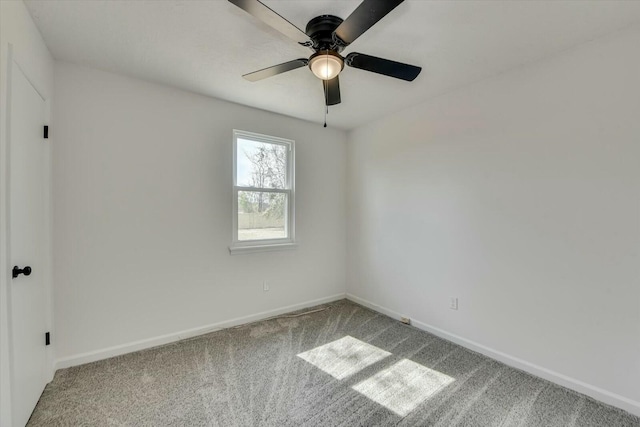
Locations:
(262, 215)
(261, 165)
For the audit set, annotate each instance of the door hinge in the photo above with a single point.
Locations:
(46, 132)
(47, 338)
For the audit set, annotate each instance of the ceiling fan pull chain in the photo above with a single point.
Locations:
(326, 107)
(326, 110)
(325, 84)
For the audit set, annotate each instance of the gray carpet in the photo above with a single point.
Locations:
(345, 366)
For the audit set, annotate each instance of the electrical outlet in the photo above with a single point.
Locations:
(265, 286)
(405, 320)
(453, 303)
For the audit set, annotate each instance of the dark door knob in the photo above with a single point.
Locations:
(18, 271)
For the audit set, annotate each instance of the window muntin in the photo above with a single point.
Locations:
(263, 197)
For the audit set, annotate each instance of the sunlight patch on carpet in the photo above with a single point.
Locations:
(403, 386)
(344, 357)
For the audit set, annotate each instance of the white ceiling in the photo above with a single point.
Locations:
(206, 46)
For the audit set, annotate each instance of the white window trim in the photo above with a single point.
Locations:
(251, 246)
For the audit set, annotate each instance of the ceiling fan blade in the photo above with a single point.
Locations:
(271, 18)
(364, 17)
(383, 66)
(276, 69)
(331, 91)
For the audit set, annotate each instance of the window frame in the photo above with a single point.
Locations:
(247, 246)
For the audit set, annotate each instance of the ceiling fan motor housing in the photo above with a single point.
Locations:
(320, 30)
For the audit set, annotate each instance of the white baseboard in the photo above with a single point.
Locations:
(597, 393)
(93, 356)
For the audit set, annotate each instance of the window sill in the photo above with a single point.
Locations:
(238, 250)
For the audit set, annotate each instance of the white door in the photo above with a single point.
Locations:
(27, 228)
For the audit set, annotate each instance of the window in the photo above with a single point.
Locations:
(263, 197)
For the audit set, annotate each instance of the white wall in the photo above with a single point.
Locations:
(520, 195)
(142, 214)
(32, 56)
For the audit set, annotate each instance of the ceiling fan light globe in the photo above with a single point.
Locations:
(326, 65)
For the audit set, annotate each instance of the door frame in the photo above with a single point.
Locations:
(6, 340)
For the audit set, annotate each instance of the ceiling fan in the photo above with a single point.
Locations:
(327, 36)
